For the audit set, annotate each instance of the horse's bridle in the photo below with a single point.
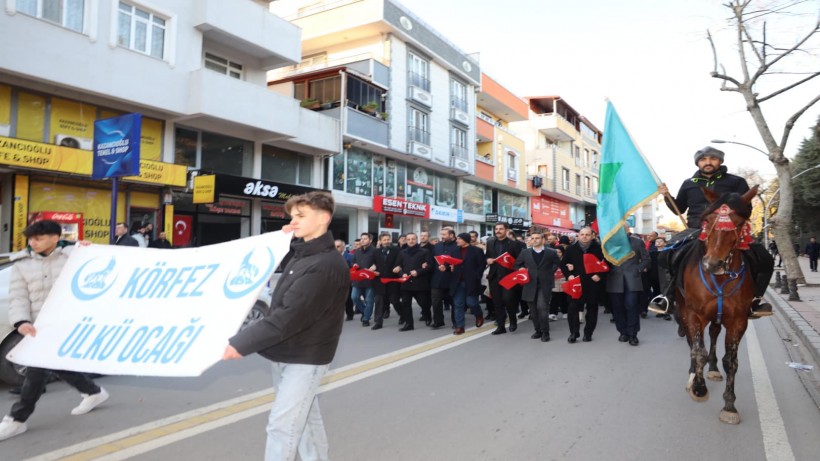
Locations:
(724, 223)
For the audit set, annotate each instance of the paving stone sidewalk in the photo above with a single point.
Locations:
(803, 315)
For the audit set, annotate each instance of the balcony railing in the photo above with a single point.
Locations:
(418, 135)
(512, 175)
(460, 152)
(458, 103)
(416, 79)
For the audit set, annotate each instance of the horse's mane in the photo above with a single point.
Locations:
(735, 202)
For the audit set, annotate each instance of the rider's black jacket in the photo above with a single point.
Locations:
(691, 197)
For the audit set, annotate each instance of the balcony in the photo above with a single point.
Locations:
(364, 65)
(484, 129)
(554, 127)
(269, 38)
(360, 125)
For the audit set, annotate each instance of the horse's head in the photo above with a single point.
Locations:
(723, 223)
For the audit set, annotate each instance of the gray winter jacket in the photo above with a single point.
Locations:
(32, 277)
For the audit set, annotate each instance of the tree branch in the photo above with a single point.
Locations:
(774, 61)
(783, 90)
(790, 123)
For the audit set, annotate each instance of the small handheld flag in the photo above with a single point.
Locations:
(505, 260)
(593, 266)
(519, 277)
(573, 288)
(447, 259)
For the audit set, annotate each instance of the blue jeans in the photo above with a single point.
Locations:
(460, 298)
(369, 299)
(295, 423)
(625, 309)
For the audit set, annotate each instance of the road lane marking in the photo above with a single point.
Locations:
(775, 440)
(150, 436)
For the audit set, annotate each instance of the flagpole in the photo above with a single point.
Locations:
(671, 200)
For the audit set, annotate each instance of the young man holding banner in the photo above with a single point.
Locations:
(33, 275)
(301, 333)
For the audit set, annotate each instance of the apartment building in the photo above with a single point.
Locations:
(563, 150)
(406, 100)
(197, 72)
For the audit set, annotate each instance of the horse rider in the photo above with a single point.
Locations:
(711, 174)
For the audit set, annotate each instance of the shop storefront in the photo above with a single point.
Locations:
(551, 215)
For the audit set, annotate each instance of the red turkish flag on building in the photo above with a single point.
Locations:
(361, 275)
(506, 260)
(401, 279)
(183, 225)
(447, 259)
(519, 277)
(573, 288)
(593, 266)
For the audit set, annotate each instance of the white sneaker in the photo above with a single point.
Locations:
(90, 402)
(553, 317)
(9, 428)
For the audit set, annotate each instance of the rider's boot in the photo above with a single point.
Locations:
(760, 309)
(662, 303)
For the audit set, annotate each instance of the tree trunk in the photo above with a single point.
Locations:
(783, 225)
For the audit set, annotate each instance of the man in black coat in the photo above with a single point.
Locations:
(365, 258)
(592, 285)
(813, 251)
(505, 301)
(465, 283)
(301, 332)
(442, 276)
(541, 263)
(416, 263)
(160, 242)
(121, 236)
(386, 294)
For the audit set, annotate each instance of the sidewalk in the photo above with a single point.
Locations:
(804, 315)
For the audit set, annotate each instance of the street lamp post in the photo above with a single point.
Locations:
(721, 141)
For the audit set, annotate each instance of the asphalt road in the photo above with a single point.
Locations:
(427, 395)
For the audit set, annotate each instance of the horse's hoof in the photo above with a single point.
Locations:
(714, 376)
(681, 331)
(729, 417)
(698, 399)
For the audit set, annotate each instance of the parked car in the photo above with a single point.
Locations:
(13, 374)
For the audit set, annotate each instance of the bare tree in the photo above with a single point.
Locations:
(764, 60)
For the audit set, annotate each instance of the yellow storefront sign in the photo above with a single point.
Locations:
(204, 188)
(41, 156)
(5, 107)
(168, 220)
(20, 212)
(93, 203)
(161, 173)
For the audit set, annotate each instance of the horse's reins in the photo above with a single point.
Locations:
(723, 223)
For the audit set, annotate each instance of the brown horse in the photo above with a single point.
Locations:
(716, 288)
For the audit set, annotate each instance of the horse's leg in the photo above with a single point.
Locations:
(697, 352)
(734, 333)
(714, 373)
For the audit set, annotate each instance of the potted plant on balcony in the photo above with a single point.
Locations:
(310, 103)
(384, 116)
(370, 107)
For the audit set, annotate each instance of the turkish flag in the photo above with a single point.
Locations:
(183, 225)
(594, 227)
(558, 274)
(506, 260)
(361, 275)
(447, 259)
(573, 288)
(401, 279)
(593, 266)
(519, 277)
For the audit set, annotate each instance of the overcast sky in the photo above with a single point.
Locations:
(651, 58)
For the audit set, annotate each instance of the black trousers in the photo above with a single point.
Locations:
(505, 303)
(558, 303)
(349, 310)
(626, 310)
(540, 310)
(421, 297)
(813, 263)
(590, 317)
(439, 297)
(35, 384)
(383, 302)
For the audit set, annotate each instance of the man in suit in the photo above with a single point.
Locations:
(365, 258)
(441, 276)
(160, 242)
(416, 263)
(624, 285)
(465, 283)
(541, 263)
(386, 294)
(122, 237)
(591, 285)
(505, 301)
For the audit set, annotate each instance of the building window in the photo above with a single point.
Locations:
(476, 199)
(418, 72)
(577, 156)
(594, 159)
(141, 30)
(361, 93)
(587, 185)
(512, 166)
(565, 179)
(286, 166)
(578, 184)
(213, 152)
(325, 90)
(67, 13)
(223, 66)
(587, 158)
(512, 206)
(445, 191)
(418, 126)
(359, 178)
(458, 142)
(458, 95)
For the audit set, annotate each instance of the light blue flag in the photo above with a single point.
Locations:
(626, 183)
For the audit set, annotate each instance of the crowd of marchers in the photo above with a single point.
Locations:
(540, 276)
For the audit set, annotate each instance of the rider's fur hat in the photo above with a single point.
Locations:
(711, 152)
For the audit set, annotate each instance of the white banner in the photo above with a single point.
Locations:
(153, 312)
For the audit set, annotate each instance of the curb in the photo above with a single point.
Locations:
(804, 331)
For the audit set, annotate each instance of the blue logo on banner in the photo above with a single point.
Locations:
(117, 146)
(91, 284)
(248, 276)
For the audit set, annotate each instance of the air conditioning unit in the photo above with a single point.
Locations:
(421, 96)
(460, 116)
(461, 164)
(512, 175)
(420, 150)
(73, 142)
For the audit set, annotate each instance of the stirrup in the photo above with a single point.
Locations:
(659, 304)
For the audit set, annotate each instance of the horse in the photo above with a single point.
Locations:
(716, 288)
